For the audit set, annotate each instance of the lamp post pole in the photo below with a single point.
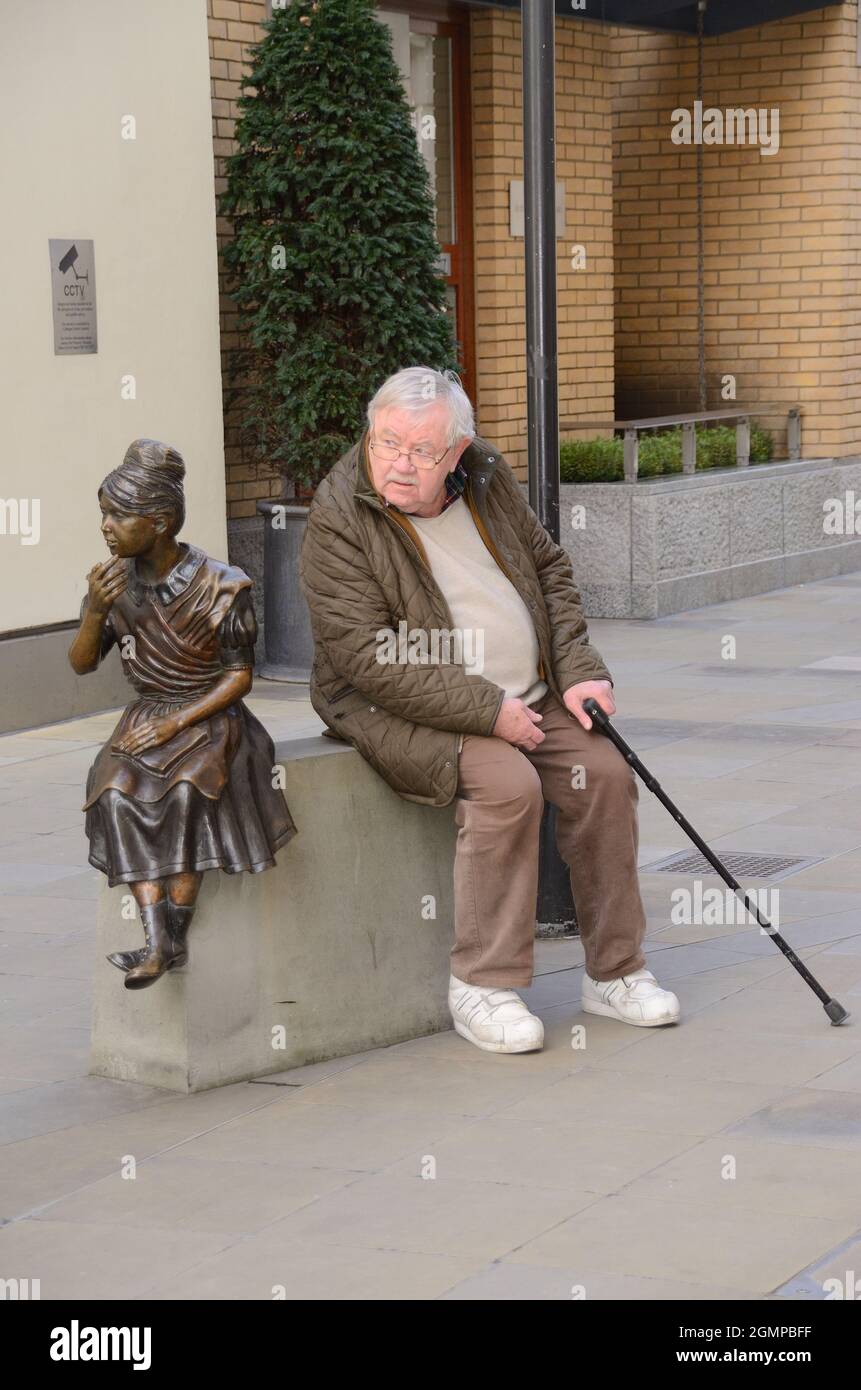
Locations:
(538, 17)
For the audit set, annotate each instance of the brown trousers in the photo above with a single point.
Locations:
(498, 811)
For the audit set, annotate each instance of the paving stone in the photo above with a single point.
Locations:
(605, 1096)
(589, 1170)
(197, 1194)
(659, 1238)
(731, 1171)
(432, 1215)
(101, 1261)
(269, 1266)
(507, 1280)
(825, 1119)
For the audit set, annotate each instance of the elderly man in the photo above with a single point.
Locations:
(421, 530)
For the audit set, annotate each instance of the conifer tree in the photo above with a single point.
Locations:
(332, 261)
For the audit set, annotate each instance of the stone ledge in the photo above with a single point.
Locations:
(330, 944)
(38, 686)
(664, 545)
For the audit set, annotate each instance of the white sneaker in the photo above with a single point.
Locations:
(635, 998)
(496, 1020)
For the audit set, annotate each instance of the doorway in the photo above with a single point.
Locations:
(430, 42)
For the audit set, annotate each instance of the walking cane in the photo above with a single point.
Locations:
(835, 1011)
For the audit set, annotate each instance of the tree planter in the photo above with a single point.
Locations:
(287, 624)
(319, 271)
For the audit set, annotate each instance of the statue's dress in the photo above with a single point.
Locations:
(205, 799)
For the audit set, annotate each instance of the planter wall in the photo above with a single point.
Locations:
(254, 544)
(662, 545)
(245, 549)
(289, 646)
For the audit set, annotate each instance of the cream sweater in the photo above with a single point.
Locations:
(498, 635)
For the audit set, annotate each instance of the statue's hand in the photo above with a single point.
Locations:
(106, 582)
(160, 728)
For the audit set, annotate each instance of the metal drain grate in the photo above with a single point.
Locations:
(739, 863)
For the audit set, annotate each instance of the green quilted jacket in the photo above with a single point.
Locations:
(363, 569)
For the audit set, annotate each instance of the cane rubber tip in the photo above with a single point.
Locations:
(836, 1012)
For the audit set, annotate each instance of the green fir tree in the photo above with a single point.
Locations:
(332, 261)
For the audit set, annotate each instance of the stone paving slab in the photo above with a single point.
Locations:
(688, 1240)
(309, 1269)
(511, 1281)
(714, 1160)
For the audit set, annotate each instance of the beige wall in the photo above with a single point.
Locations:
(68, 75)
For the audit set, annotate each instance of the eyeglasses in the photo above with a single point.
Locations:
(387, 452)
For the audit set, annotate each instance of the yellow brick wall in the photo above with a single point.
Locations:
(782, 234)
(233, 25)
(584, 163)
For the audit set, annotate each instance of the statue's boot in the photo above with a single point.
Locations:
(159, 947)
(124, 960)
(180, 921)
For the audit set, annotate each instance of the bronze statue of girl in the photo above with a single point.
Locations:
(185, 782)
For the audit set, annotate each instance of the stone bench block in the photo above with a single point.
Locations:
(332, 952)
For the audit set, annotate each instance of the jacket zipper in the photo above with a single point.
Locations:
(429, 572)
(425, 567)
(543, 665)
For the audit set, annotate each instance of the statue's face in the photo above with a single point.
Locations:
(414, 489)
(126, 533)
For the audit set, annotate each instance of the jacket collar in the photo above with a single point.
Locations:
(173, 584)
(475, 469)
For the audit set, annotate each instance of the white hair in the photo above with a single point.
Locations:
(415, 388)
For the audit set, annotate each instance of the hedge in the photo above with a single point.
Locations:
(602, 460)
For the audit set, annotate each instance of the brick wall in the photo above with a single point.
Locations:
(782, 234)
(584, 163)
(233, 25)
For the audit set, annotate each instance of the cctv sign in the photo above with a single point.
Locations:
(73, 296)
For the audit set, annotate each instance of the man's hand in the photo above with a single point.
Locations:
(602, 691)
(517, 724)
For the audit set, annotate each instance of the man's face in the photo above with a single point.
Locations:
(420, 491)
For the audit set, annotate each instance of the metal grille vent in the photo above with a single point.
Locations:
(740, 864)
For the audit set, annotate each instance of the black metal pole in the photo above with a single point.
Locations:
(538, 18)
(539, 202)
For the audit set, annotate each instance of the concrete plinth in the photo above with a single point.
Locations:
(330, 953)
